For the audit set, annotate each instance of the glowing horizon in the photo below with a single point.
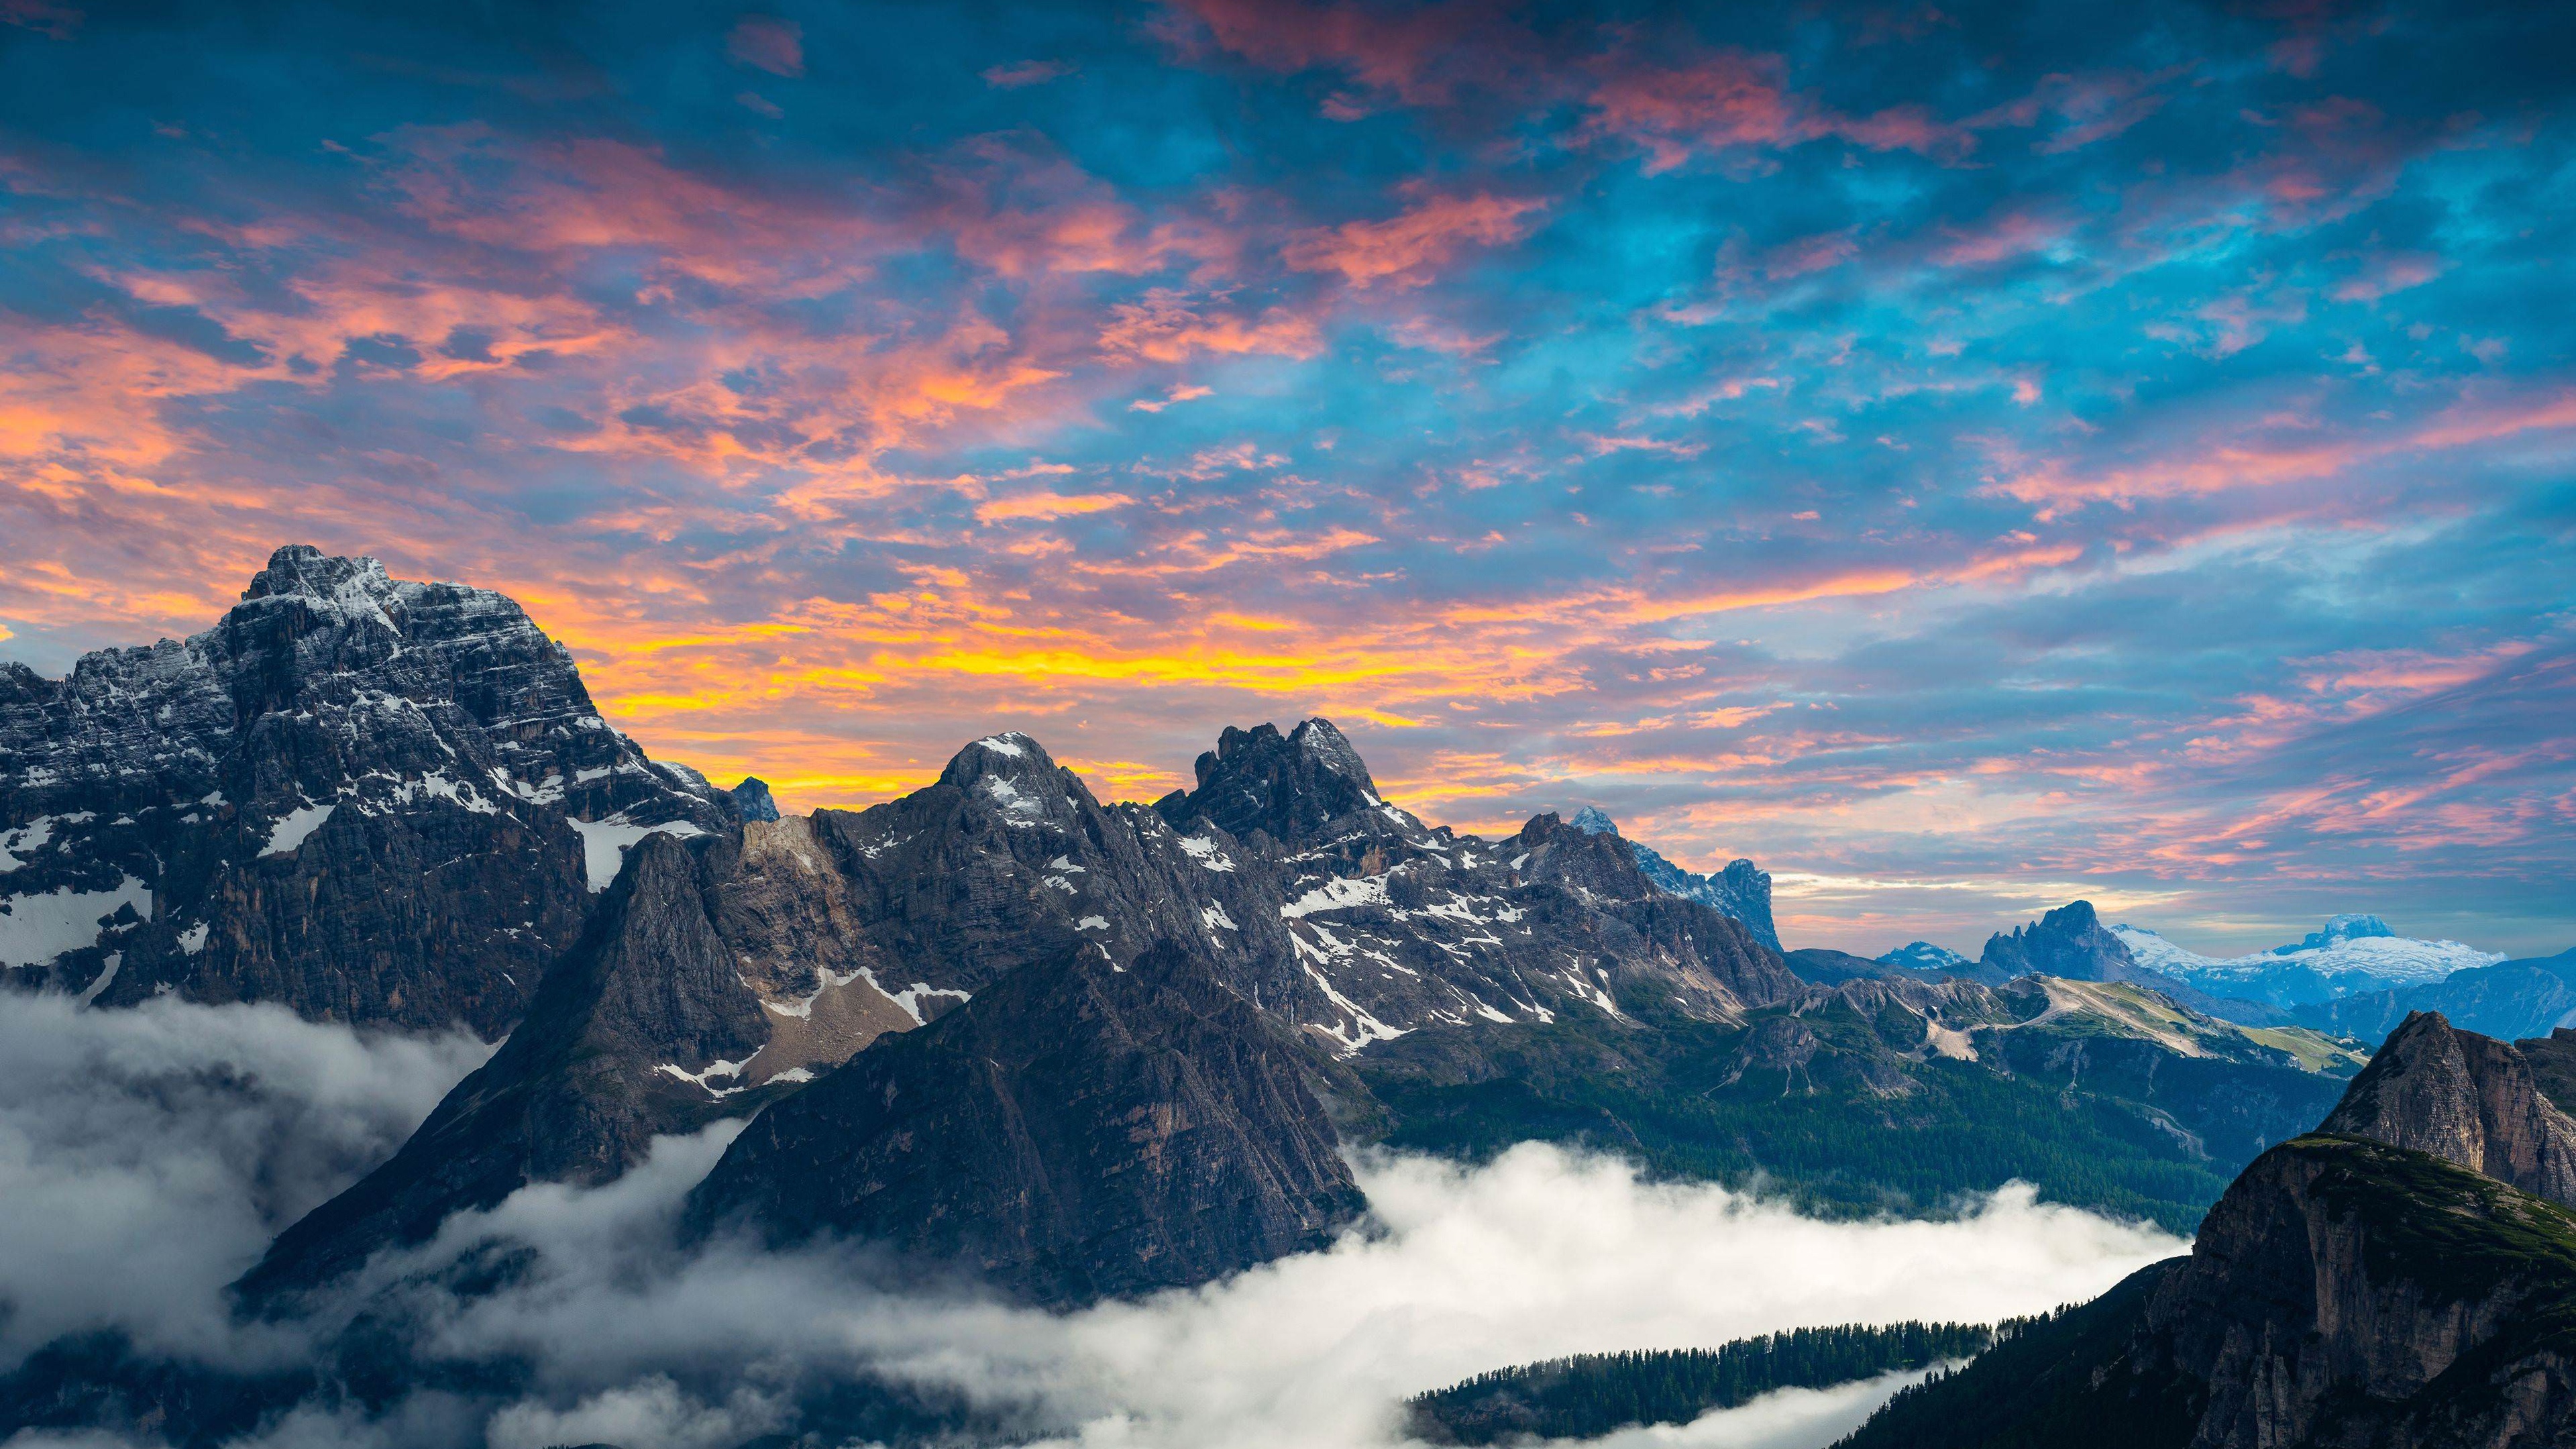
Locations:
(1944, 456)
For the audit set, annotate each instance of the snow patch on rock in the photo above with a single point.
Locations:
(604, 844)
(295, 826)
(38, 928)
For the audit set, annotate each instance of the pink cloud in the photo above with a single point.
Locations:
(768, 43)
(1025, 73)
(1405, 249)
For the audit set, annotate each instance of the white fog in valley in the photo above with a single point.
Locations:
(1539, 1254)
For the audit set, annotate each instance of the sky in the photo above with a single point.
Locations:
(1962, 457)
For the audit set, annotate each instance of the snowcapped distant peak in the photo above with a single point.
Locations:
(1591, 821)
(1924, 956)
(2352, 953)
(2338, 930)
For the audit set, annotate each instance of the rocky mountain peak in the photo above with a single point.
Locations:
(301, 570)
(1592, 821)
(1600, 864)
(1013, 776)
(2069, 941)
(752, 800)
(1294, 788)
(1013, 757)
(2467, 1099)
(371, 799)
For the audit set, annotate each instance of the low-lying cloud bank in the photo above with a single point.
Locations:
(147, 1156)
(627, 1340)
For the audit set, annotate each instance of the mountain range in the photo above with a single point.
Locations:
(2352, 953)
(1044, 1047)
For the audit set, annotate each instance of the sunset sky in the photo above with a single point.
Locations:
(1962, 457)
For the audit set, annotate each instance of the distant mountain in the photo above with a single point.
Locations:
(2405, 1276)
(2350, 954)
(1822, 966)
(2068, 941)
(1924, 958)
(2510, 999)
(2071, 941)
(369, 800)
(1886, 1095)
(1740, 890)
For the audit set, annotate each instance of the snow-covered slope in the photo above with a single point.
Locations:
(1926, 957)
(2351, 953)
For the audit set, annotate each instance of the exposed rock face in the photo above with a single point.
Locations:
(2351, 1288)
(810, 936)
(1740, 890)
(2069, 941)
(372, 801)
(2464, 1098)
(2072, 942)
(2338, 1286)
(751, 800)
(1078, 1130)
(1292, 788)
(640, 1029)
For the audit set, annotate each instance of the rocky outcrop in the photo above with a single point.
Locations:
(1289, 789)
(2070, 941)
(2346, 1292)
(370, 800)
(2372, 1284)
(1079, 1130)
(642, 1028)
(2464, 1098)
(1740, 890)
(752, 800)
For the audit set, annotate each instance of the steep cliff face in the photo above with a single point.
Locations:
(2464, 1098)
(2388, 1289)
(2069, 941)
(642, 1028)
(2345, 1291)
(370, 800)
(1079, 1129)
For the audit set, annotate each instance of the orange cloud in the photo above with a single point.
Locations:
(1405, 249)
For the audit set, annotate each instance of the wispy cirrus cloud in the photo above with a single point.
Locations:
(1838, 447)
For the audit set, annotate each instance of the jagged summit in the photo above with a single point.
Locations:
(2464, 1098)
(2068, 941)
(752, 800)
(1591, 820)
(1299, 788)
(370, 799)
